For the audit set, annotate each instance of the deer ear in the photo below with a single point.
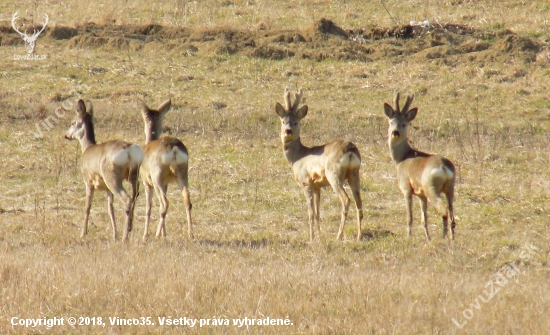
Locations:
(81, 108)
(89, 107)
(165, 106)
(411, 114)
(388, 110)
(301, 112)
(142, 106)
(280, 110)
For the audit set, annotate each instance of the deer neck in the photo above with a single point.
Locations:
(152, 132)
(400, 150)
(150, 137)
(294, 150)
(89, 136)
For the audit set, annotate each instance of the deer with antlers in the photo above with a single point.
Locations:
(314, 168)
(29, 40)
(105, 166)
(166, 161)
(418, 173)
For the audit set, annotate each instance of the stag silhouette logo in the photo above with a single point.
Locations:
(30, 41)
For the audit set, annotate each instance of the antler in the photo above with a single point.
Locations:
(292, 107)
(13, 19)
(408, 103)
(35, 33)
(43, 26)
(287, 99)
(396, 101)
(298, 99)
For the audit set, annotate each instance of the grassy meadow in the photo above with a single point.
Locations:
(251, 255)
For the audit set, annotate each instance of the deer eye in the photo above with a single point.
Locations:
(404, 125)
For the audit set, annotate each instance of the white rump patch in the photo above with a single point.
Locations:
(350, 160)
(442, 172)
(136, 154)
(174, 157)
(121, 158)
(132, 155)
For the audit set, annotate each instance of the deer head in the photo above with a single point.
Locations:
(399, 120)
(82, 126)
(29, 40)
(153, 119)
(290, 116)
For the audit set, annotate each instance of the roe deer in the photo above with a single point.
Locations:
(105, 166)
(166, 161)
(317, 167)
(419, 173)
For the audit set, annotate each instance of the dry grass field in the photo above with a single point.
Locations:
(481, 75)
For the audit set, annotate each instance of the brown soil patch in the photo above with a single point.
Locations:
(448, 43)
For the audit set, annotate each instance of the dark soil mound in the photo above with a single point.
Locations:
(62, 33)
(450, 43)
(323, 30)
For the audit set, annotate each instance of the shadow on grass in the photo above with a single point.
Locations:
(376, 234)
(245, 244)
(263, 242)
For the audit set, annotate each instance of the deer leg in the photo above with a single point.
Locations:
(449, 194)
(123, 196)
(424, 214)
(114, 185)
(111, 212)
(160, 190)
(89, 197)
(308, 193)
(184, 188)
(440, 207)
(355, 185)
(316, 208)
(445, 219)
(148, 198)
(133, 179)
(408, 204)
(338, 188)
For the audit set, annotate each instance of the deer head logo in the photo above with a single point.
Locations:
(29, 40)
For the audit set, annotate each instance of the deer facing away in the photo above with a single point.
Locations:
(166, 161)
(423, 175)
(320, 166)
(105, 166)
